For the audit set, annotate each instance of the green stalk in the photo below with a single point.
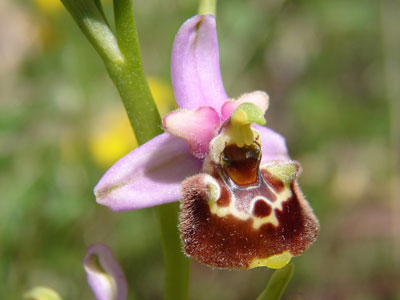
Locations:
(176, 265)
(121, 56)
(390, 13)
(277, 283)
(130, 80)
(208, 7)
(93, 24)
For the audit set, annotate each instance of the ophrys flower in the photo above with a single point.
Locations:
(241, 204)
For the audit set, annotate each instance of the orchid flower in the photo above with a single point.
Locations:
(241, 206)
(104, 274)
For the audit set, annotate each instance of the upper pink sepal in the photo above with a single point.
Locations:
(195, 72)
(196, 127)
(149, 175)
(273, 145)
(258, 98)
(104, 274)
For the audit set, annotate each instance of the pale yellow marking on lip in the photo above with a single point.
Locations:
(214, 193)
(270, 219)
(284, 171)
(213, 188)
(227, 210)
(273, 262)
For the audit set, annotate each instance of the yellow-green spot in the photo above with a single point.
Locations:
(273, 262)
(241, 119)
(286, 172)
(42, 293)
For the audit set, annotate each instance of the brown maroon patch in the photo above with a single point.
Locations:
(231, 243)
(275, 182)
(224, 198)
(261, 209)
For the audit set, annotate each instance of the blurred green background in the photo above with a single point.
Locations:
(331, 70)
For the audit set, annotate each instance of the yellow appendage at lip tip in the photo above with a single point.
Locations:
(273, 262)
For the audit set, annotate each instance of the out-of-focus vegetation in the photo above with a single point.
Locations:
(323, 64)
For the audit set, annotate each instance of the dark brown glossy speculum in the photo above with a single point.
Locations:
(241, 164)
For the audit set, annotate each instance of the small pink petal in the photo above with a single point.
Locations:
(194, 126)
(195, 73)
(149, 175)
(273, 145)
(259, 98)
(104, 275)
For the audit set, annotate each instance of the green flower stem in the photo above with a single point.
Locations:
(93, 24)
(176, 266)
(208, 7)
(277, 283)
(121, 56)
(130, 80)
(391, 74)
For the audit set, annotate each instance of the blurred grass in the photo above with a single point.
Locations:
(321, 63)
